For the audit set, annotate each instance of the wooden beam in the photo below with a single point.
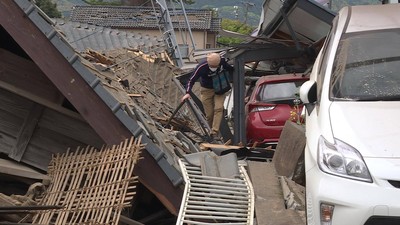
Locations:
(26, 132)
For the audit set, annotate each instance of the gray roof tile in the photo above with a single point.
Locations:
(133, 17)
(83, 36)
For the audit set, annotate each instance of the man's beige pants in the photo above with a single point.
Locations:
(213, 107)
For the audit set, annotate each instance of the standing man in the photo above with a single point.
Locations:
(213, 104)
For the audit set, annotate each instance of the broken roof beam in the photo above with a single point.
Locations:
(41, 43)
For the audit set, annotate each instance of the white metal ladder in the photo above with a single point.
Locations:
(215, 200)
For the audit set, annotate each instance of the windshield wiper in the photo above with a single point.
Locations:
(372, 61)
(379, 98)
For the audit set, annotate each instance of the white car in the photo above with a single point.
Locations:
(352, 154)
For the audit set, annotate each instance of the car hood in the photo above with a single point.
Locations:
(373, 128)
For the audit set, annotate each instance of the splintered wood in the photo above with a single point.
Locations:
(92, 186)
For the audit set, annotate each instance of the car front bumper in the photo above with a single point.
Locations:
(355, 202)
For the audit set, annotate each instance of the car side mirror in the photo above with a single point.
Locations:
(308, 92)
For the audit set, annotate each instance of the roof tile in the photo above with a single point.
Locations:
(83, 36)
(132, 17)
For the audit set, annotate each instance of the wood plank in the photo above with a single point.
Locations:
(26, 75)
(135, 95)
(206, 146)
(39, 100)
(10, 123)
(70, 127)
(6, 142)
(38, 152)
(14, 104)
(26, 132)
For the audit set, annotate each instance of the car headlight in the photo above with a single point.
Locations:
(342, 160)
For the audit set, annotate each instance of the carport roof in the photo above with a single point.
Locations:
(288, 30)
(309, 20)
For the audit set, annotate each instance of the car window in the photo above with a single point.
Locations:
(279, 91)
(366, 66)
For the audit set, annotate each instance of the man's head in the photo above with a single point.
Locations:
(213, 60)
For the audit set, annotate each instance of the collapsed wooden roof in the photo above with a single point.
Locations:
(53, 99)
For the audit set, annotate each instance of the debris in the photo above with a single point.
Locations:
(17, 208)
(99, 57)
(210, 199)
(135, 95)
(150, 86)
(93, 186)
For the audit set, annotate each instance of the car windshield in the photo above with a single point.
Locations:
(366, 67)
(279, 91)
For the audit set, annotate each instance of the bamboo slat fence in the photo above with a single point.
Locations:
(92, 186)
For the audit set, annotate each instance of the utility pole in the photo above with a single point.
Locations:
(246, 11)
(215, 11)
(235, 11)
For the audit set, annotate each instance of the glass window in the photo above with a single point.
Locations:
(279, 91)
(366, 66)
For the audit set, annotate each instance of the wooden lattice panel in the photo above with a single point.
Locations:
(92, 186)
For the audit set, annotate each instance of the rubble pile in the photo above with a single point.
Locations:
(148, 80)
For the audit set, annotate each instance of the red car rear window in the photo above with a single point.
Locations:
(279, 91)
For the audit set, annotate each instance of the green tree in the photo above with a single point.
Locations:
(49, 8)
(235, 26)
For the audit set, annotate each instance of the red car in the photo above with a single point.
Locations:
(274, 100)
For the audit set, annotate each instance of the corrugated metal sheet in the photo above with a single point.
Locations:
(309, 20)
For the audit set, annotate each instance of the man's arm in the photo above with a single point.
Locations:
(193, 78)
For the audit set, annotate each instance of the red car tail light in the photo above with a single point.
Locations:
(262, 108)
